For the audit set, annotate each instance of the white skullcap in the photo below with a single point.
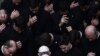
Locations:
(43, 49)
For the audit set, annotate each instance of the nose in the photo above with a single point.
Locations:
(2, 15)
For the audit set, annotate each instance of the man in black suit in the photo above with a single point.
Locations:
(66, 48)
(90, 44)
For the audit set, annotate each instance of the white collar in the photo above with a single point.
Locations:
(80, 34)
(2, 48)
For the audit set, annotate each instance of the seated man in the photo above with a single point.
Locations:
(90, 43)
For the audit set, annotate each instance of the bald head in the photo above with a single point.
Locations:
(90, 29)
(90, 32)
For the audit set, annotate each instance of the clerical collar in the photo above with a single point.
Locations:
(2, 27)
(2, 49)
(98, 34)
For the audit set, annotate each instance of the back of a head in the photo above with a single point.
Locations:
(45, 39)
(64, 39)
(75, 37)
(21, 21)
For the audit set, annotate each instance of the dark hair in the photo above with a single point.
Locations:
(45, 39)
(63, 6)
(64, 39)
(75, 37)
(33, 3)
(21, 21)
(84, 2)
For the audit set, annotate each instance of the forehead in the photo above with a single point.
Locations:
(2, 11)
(63, 46)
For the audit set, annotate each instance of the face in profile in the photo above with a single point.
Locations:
(9, 48)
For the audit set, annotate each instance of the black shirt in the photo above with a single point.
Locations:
(73, 52)
(25, 37)
(88, 46)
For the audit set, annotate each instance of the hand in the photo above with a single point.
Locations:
(19, 44)
(91, 54)
(14, 14)
(69, 28)
(74, 4)
(64, 19)
(32, 20)
(95, 22)
(2, 27)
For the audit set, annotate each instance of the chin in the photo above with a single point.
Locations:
(65, 51)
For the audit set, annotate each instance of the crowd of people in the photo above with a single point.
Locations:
(50, 28)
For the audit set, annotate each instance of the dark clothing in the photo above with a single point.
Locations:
(25, 37)
(76, 19)
(3, 38)
(43, 23)
(88, 46)
(72, 52)
(10, 7)
(56, 18)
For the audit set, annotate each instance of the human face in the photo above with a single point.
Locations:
(90, 36)
(3, 15)
(12, 49)
(34, 10)
(65, 48)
